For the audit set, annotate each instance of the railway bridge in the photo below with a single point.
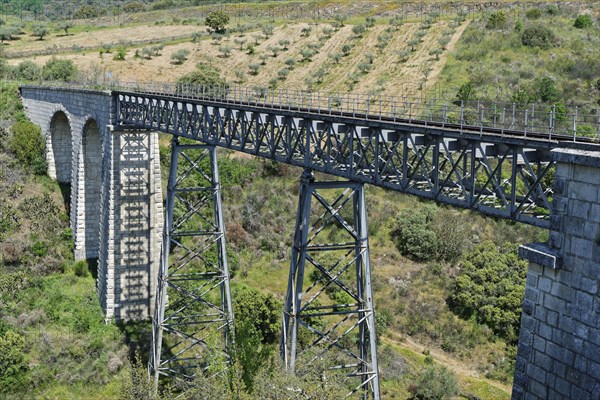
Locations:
(170, 263)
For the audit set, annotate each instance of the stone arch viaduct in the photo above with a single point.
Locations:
(105, 146)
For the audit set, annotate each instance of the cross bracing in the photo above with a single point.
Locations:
(496, 173)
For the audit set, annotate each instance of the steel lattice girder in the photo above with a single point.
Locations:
(195, 318)
(502, 176)
(334, 314)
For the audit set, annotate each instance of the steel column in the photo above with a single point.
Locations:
(333, 312)
(195, 318)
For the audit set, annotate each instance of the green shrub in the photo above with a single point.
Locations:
(204, 75)
(538, 36)
(359, 30)
(12, 361)
(28, 146)
(583, 21)
(466, 92)
(546, 90)
(81, 268)
(490, 288)
(28, 70)
(435, 383)
(413, 235)
(533, 13)
(496, 20)
(59, 70)
(180, 56)
(120, 53)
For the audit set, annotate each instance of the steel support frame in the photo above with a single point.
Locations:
(401, 157)
(193, 302)
(303, 305)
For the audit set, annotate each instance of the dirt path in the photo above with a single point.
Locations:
(454, 365)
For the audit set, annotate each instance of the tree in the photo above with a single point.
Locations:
(284, 43)
(216, 21)
(65, 26)
(28, 146)
(225, 51)
(490, 288)
(40, 30)
(359, 30)
(257, 330)
(370, 22)
(5, 34)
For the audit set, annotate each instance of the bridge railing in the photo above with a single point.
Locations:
(553, 122)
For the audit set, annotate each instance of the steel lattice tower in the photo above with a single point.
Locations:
(333, 315)
(195, 318)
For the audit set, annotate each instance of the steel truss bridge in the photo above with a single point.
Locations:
(498, 169)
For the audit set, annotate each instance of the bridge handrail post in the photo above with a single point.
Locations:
(495, 113)
(598, 127)
(481, 116)
(512, 124)
(503, 120)
(551, 122)
(575, 116)
(533, 117)
(368, 106)
(462, 114)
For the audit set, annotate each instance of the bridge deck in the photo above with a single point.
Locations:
(501, 172)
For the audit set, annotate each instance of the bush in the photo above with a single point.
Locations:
(28, 146)
(435, 383)
(180, 56)
(546, 90)
(204, 75)
(538, 36)
(496, 20)
(533, 13)
(359, 30)
(413, 235)
(490, 288)
(466, 92)
(28, 70)
(120, 54)
(12, 360)
(59, 70)
(583, 21)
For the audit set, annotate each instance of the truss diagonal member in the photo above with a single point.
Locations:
(201, 305)
(353, 315)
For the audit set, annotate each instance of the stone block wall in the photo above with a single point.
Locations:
(559, 344)
(116, 197)
(132, 224)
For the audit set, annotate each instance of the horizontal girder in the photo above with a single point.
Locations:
(497, 174)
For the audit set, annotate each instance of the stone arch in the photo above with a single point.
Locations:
(92, 186)
(61, 158)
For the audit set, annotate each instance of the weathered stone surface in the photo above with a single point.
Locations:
(568, 332)
(116, 196)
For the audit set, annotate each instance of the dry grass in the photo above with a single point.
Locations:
(388, 76)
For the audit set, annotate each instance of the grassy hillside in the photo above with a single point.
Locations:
(62, 348)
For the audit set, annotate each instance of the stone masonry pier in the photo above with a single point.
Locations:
(116, 197)
(559, 343)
